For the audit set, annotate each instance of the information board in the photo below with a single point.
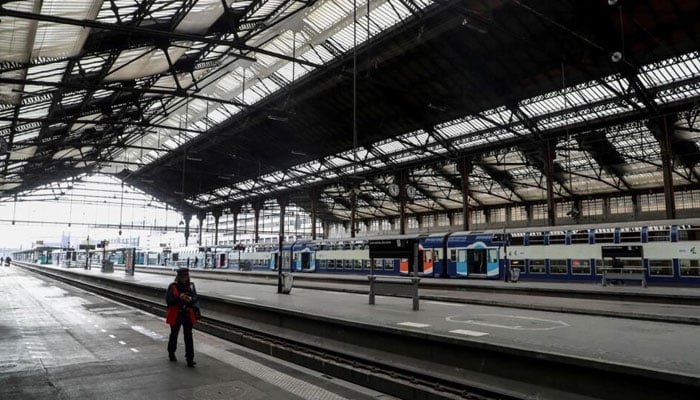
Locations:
(129, 261)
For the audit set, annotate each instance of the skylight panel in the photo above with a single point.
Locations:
(328, 14)
(51, 72)
(141, 62)
(202, 15)
(125, 9)
(14, 33)
(59, 40)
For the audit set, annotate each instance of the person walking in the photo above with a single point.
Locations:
(182, 307)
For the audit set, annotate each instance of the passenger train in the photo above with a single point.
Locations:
(667, 251)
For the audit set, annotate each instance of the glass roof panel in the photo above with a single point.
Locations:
(60, 40)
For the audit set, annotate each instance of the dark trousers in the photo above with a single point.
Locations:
(186, 324)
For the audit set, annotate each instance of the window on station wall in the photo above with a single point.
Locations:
(443, 220)
(458, 218)
(661, 267)
(478, 217)
(557, 266)
(539, 212)
(652, 202)
(592, 207)
(620, 205)
(412, 222)
(689, 268)
(688, 232)
(687, 199)
(498, 215)
(536, 266)
(580, 266)
(563, 208)
(659, 234)
(518, 214)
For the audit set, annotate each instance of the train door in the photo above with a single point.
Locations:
(476, 262)
(223, 262)
(428, 258)
(461, 268)
(303, 259)
(272, 263)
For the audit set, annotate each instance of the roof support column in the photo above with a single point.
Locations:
(636, 208)
(201, 217)
(187, 217)
(217, 214)
(256, 221)
(667, 163)
(465, 168)
(353, 212)
(549, 171)
(403, 182)
(314, 195)
(234, 211)
(282, 201)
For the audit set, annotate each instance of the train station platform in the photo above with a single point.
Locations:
(654, 336)
(653, 303)
(60, 342)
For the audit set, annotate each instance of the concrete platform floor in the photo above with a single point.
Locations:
(59, 342)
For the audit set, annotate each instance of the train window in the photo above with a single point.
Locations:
(630, 235)
(517, 239)
(579, 237)
(605, 236)
(600, 264)
(659, 234)
(389, 265)
(535, 238)
(536, 267)
(557, 237)
(661, 267)
(581, 267)
(358, 264)
(688, 232)
(453, 255)
(557, 267)
(689, 268)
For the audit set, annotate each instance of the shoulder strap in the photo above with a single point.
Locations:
(176, 292)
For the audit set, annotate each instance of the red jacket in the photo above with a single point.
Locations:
(176, 304)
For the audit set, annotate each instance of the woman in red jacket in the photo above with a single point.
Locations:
(181, 299)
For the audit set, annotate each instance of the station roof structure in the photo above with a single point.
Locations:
(213, 104)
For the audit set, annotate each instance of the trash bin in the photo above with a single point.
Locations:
(514, 274)
(287, 281)
(107, 266)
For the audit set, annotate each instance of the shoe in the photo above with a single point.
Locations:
(172, 357)
(191, 364)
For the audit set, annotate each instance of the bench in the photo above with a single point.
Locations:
(624, 274)
(394, 286)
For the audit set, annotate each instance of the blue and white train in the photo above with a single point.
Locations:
(669, 253)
